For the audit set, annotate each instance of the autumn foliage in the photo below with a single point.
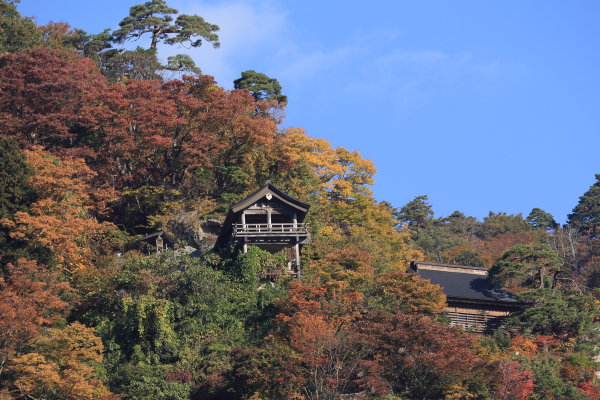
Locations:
(29, 303)
(96, 158)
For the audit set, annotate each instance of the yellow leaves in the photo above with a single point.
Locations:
(345, 269)
(458, 391)
(343, 173)
(61, 365)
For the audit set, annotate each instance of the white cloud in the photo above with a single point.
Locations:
(260, 35)
(256, 35)
(248, 29)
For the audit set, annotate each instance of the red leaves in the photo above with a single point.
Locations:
(178, 375)
(591, 390)
(310, 298)
(41, 93)
(515, 383)
(142, 133)
(415, 353)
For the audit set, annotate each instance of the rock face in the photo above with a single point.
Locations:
(194, 229)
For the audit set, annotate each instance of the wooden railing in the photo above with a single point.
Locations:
(288, 229)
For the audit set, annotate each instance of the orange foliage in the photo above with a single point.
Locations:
(450, 254)
(515, 384)
(43, 91)
(495, 247)
(54, 33)
(62, 365)
(404, 292)
(156, 133)
(29, 302)
(591, 390)
(413, 351)
(546, 342)
(311, 298)
(63, 217)
(523, 346)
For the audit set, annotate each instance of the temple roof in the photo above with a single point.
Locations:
(267, 188)
(160, 233)
(262, 192)
(464, 283)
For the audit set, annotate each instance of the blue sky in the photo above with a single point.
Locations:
(482, 106)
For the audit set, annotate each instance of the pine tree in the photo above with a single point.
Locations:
(155, 17)
(540, 219)
(586, 215)
(417, 213)
(260, 86)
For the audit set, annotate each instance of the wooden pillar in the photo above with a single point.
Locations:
(269, 219)
(295, 220)
(244, 218)
(245, 248)
(298, 268)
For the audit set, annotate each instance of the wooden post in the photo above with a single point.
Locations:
(269, 219)
(295, 221)
(245, 248)
(298, 269)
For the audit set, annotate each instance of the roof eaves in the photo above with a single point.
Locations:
(260, 193)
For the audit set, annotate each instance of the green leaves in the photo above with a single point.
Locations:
(527, 266)
(260, 86)
(416, 213)
(540, 219)
(586, 215)
(191, 26)
(19, 34)
(155, 17)
(555, 314)
(184, 63)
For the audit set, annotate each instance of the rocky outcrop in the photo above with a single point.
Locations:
(194, 229)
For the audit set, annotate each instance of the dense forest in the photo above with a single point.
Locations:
(100, 145)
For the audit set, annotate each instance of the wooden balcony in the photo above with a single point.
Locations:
(273, 229)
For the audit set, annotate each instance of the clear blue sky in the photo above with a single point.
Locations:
(483, 106)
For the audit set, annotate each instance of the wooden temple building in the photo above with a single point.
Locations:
(472, 302)
(269, 219)
(160, 240)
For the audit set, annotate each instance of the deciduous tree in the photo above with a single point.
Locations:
(63, 218)
(63, 79)
(30, 302)
(515, 383)
(418, 357)
(401, 292)
(61, 366)
(16, 194)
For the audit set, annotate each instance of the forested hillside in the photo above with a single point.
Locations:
(100, 145)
